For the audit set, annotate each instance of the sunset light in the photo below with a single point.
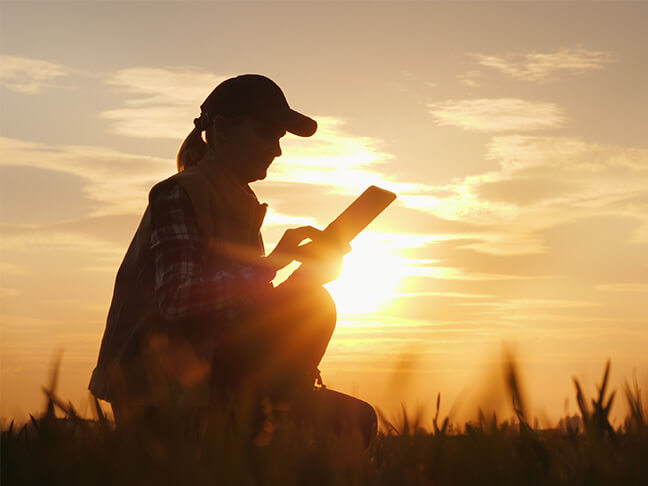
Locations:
(371, 275)
(513, 133)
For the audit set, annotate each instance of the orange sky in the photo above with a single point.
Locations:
(514, 135)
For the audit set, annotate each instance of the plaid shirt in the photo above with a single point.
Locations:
(183, 288)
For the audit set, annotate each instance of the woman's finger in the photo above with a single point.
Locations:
(298, 235)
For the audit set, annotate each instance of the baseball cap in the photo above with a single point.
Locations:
(256, 95)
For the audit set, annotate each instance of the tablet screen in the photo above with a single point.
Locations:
(358, 215)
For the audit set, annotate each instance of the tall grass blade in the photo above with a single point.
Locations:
(582, 405)
(637, 419)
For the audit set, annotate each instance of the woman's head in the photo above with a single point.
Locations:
(245, 144)
(246, 110)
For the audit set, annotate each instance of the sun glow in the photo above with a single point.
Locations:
(370, 277)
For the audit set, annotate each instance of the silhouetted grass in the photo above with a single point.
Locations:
(224, 448)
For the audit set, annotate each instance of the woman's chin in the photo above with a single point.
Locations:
(259, 176)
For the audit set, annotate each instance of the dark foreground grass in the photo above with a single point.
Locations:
(224, 450)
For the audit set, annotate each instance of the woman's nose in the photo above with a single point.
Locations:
(277, 149)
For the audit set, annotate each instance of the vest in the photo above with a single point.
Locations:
(144, 359)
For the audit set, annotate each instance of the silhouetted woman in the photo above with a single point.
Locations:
(194, 316)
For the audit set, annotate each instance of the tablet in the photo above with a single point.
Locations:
(341, 231)
(358, 215)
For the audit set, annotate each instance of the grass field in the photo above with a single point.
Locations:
(59, 447)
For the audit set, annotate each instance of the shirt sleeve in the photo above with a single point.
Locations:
(183, 287)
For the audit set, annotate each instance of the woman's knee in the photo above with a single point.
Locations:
(310, 310)
(319, 318)
(325, 306)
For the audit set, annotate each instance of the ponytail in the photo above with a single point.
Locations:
(192, 150)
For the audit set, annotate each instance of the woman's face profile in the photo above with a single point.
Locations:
(250, 145)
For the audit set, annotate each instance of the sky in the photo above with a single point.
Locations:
(514, 134)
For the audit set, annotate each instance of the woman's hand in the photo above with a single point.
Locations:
(287, 249)
(321, 263)
(318, 272)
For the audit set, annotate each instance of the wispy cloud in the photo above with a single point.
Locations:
(117, 181)
(497, 114)
(115, 230)
(29, 76)
(7, 292)
(547, 180)
(538, 66)
(542, 182)
(164, 100)
(588, 176)
(73, 241)
(470, 78)
(624, 287)
(12, 269)
(343, 162)
(524, 151)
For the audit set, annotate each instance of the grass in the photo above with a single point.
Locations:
(223, 449)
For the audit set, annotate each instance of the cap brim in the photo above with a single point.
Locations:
(301, 125)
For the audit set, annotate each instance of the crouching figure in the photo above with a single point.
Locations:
(194, 313)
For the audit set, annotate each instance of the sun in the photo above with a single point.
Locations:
(370, 276)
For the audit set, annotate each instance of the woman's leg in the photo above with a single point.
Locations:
(300, 327)
(276, 351)
(276, 348)
(332, 411)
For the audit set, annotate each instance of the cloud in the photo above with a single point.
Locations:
(166, 121)
(564, 170)
(597, 248)
(576, 254)
(51, 238)
(29, 76)
(641, 288)
(7, 292)
(12, 268)
(61, 193)
(540, 66)
(164, 100)
(520, 151)
(116, 181)
(345, 163)
(497, 114)
(113, 229)
(525, 191)
(469, 79)
(549, 179)
(541, 182)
